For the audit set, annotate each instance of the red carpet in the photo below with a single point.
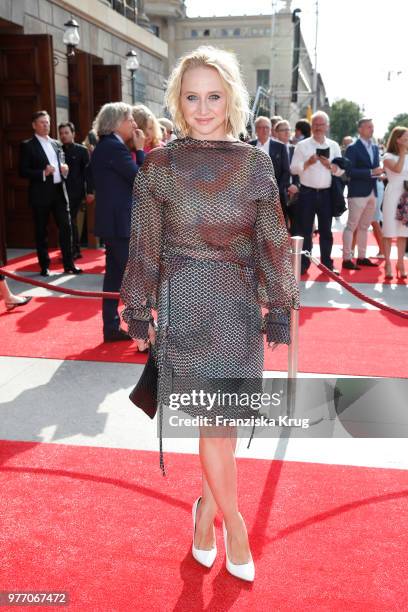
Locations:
(334, 341)
(104, 525)
(92, 262)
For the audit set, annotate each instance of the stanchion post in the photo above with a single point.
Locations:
(297, 245)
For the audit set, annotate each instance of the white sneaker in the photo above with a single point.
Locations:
(245, 571)
(205, 557)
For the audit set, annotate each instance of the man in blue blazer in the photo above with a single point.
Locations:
(279, 156)
(113, 173)
(362, 191)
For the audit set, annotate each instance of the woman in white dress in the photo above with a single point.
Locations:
(396, 167)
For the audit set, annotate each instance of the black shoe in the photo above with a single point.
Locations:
(45, 272)
(116, 336)
(366, 262)
(72, 270)
(335, 271)
(348, 264)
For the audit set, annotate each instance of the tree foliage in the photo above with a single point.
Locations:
(401, 119)
(344, 115)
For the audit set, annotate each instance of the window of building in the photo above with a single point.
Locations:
(236, 32)
(206, 33)
(262, 78)
(194, 33)
(155, 29)
(224, 32)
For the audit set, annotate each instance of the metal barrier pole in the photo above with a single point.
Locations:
(297, 245)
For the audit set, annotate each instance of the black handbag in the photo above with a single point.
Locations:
(144, 395)
(337, 199)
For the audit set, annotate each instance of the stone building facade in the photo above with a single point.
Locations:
(264, 45)
(35, 73)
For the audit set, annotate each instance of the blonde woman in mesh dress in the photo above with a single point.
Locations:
(208, 249)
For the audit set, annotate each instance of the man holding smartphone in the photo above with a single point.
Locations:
(312, 162)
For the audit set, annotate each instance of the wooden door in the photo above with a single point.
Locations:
(81, 94)
(107, 85)
(26, 85)
(91, 84)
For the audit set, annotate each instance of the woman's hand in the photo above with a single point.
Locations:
(138, 139)
(142, 345)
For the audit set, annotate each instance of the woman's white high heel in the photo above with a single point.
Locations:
(205, 557)
(245, 571)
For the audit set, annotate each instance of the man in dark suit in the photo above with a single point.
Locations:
(362, 192)
(279, 156)
(114, 172)
(283, 131)
(40, 162)
(77, 158)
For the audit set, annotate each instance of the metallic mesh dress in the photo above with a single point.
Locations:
(208, 248)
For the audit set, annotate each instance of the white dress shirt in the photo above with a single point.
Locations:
(49, 150)
(119, 137)
(369, 146)
(315, 175)
(264, 146)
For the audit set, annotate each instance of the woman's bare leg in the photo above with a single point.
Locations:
(377, 231)
(219, 467)
(7, 295)
(207, 511)
(401, 241)
(387, 253)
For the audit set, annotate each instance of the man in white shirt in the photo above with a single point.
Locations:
(41, 163)
(312, 162)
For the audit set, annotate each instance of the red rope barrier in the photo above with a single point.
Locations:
(114, 295)
(31, 281)
(353, 290)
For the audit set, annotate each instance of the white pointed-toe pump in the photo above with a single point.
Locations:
(245, 571)
(205, 557)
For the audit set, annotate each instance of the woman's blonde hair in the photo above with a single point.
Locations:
(397, 132)
(227, 66)
(142, 115)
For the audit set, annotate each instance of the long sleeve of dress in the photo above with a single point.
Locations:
(140, 281)
(277, 287)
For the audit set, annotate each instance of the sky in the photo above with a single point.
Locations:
(359, 43)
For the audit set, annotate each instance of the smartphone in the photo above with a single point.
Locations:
(323, 152)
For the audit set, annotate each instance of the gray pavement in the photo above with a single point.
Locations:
(86, 404)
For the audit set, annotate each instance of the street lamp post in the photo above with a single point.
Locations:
(132, 64)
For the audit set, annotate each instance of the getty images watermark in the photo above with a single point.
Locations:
(341, 407)
(222, 401)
